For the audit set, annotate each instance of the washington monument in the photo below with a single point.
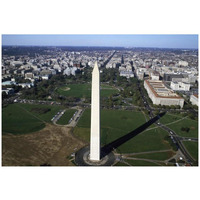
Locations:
(95, 116)
(93, 155)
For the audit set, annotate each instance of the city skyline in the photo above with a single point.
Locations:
(179, 41)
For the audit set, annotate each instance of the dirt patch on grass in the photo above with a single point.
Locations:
(65, 89)
(192, 128)
(51, 146)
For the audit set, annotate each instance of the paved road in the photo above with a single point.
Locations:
(187, 139)
(58, 116)
(75, 118)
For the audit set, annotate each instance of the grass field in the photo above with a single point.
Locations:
(176, 126)
(156, 156)
(84, 90)
(66, 117)
(193, 125)
(169, 118)
(25, 118)
(152, 140)
(115, 124)
(120, 164)
(192, 147)
(136, 163)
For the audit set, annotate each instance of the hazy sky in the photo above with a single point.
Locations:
(163, 41)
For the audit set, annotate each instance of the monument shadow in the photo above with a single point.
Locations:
(108, 148)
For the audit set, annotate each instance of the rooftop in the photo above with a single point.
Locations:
(196, 95)
(160, 90)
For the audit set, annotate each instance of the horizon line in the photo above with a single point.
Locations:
(97, 46)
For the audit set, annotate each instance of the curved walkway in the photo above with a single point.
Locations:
(145, 152)
(82, 158)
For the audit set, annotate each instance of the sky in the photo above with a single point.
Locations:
(126, 40)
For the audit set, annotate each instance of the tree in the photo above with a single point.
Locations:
(157, 112)
(185, 129)
(110, 102)
(4, 95)
(192, 116)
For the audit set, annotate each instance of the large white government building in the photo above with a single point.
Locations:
(160, 94)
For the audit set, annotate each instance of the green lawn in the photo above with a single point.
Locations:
(17, 121)
(45, 116)
(156, 156)
(152, 140)
(103, 86)
(120, 164)
(83, 133)
(137, 163)
(84, 121)
(115, 124)
(193, 125)
(176, 126)
(84, 90)
(75, 90)
(192, 147)
(168, 118)
(26, 118)
(66, 117)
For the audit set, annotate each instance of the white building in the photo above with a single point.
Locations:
(194, 99)
(155, 76)
(67, 71)
(192, 78)
(73, 71)
(70, 71)
(53, 71)
(26, 85)
(57, 67)
(35, 67)
(122, 68)
(127, 74)
(140, 75)
(160, 94)
(183, 63)
(29, 75)
(128, 67)
(45, 77)
(142, 69)
(180, 86)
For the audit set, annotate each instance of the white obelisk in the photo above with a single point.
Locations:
(95, 116)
